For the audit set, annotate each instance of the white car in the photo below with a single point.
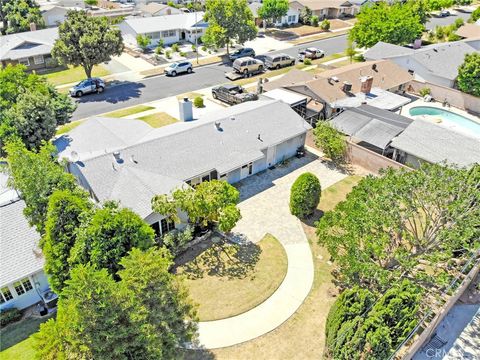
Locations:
(178, 68)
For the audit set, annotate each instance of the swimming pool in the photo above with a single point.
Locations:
(448, 117)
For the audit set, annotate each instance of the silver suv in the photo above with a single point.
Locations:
(248, 65)
(178, 67)
(87, 86)
(279, 60)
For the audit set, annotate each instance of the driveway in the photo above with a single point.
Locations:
(265, 209)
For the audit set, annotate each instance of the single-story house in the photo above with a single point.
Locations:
(326, 9)
(53, 15)
(156, 9)
(170, 28)
(377, 83)
(426, 141)
(437, 63)
(22, 280)
(469, 31)
(292, 16)
(229, 145)
(31, 48)
(371, 127)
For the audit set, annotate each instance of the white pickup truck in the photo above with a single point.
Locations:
(310, 53)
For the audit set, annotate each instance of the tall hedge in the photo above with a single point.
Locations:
(305, 195)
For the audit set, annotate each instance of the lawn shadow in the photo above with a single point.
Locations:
(218, 257)
(312, 219)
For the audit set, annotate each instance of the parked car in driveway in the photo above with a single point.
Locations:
(248, 65)
(242, 53)
(278, 60)
(310, 53)
(88, 86)
(178, 68)
(232, 94)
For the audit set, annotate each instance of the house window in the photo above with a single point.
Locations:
(292, 18)
(250, 169)
(156, 228)
(22, 286)
(24, 61)
(223, 177)
(167, 225)
(6, 295)
(206, 178)
(168, 33)
(37, 60)
(154, 35)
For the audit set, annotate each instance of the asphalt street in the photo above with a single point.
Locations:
(155, 88)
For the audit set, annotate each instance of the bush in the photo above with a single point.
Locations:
(204, 48)
(9, 316)
(331, 141)
(182, 53)
(305, 195)
(159, 50)
(453, 37)
(194, 48)
(359, 58)
(458, 22)
(314, 20)
(175, 47)
(424, 91)
(143, 42)
(198, 102)
(307, 61)
(168, 54)
(325, 26)
(439, 33)
(176, 240)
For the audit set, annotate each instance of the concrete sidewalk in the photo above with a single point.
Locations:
(265, 209)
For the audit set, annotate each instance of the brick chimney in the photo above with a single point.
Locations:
(33, 26)
(367, 82)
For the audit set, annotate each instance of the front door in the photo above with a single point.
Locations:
(183, 35)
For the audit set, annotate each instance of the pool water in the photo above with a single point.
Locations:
(448, 117)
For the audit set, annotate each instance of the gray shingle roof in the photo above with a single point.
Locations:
(26, 44)
(383, 50)
(164, 22)
(19, 252)
(435, 143)
(179, 152)
(370, 124)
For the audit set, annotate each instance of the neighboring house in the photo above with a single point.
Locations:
(31, 48)
(53, 15)
(426, 141)
(292, 16)
(156, 9)
(469, 31)
(437, 63)
(377, 83)
(22, 280)
(230, 145)
(326, 9)
(76, 4)
(171, 28)
(371, 127)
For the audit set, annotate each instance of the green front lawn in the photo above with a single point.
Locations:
(62, 129)
(74, 74)
(158, 119)
(128, 111)
(21, 351)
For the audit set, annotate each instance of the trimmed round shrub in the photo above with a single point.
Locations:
(305, 195)
(198, 102)
(314, 20)
(325, 25)
(9, 316)
(307, 61)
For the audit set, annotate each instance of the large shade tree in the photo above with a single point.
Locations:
(228, 20)
(145, 315)
(395, 24)
(273, 10)
(396, 223)
(86, 41)
(17, 15)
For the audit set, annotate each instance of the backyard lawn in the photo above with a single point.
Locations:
(159, 119)
(73, 74)
(303, 335)
(21, 351)
(128, 111)
(229, 279)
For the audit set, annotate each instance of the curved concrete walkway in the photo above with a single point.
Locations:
(265, 209)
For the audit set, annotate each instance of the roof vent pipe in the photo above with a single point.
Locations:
(218, 125)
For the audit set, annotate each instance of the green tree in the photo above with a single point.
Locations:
(108, 235)
(305, 15)
(314, 20)
(17, 15)
(468, 79)
(228, 20)
(396, 24)
(146, 315)
(305, 195)
(36, 175)
(91, 2)
(439, 4)
(64, 216)
(228, 218)
(475, 15)
(350, 51)
(143, 41)
(273, 10)
(389, 225)
(86, 41)
(331, 141)
(30, 108)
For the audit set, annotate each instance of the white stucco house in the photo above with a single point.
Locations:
(292, 16)
(22, 280)
(130, 162)
(171, 28)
